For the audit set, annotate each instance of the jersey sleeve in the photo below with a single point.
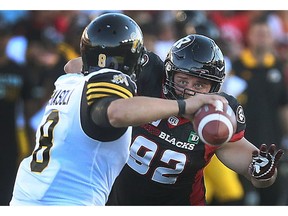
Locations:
(110, 84)
(240, 116)
(149, 80)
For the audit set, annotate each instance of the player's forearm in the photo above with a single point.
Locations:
(140, 110)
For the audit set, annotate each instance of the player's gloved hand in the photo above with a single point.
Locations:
(265, 161)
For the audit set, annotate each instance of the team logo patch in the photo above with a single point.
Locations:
(173, 120)
(193, 138)
(144, 60)
(240, 115)
(120, 79)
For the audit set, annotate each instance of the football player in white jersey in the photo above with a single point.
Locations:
(82, 142)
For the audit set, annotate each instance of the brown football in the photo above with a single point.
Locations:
(215, 125)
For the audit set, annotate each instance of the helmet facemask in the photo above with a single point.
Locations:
(170, 87)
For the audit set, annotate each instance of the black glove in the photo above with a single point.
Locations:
(265, 161)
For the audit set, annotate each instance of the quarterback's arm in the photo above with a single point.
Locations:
(241, 157)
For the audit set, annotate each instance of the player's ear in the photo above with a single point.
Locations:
(73, 66)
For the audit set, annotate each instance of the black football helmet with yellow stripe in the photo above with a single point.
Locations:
(112, 40)
(196, 55)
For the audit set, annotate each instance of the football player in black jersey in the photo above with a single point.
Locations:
(167, 158)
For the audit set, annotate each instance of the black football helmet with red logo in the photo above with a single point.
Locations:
(196, 55)
(112, 40)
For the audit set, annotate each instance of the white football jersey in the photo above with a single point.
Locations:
(74, 161)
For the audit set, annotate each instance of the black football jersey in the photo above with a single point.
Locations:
(167, 158)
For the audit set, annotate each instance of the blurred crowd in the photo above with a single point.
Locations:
(35, 46)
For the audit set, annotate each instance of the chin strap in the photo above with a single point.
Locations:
(265, 161)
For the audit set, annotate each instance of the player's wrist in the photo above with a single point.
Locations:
(182, 107)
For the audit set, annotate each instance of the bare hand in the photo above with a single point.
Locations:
(73, 66)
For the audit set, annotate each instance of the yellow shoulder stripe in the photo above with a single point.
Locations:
(104, 89)
(105, 85)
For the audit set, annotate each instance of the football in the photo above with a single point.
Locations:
(215, 125)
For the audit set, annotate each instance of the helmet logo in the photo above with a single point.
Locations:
(220, 69)
(182, 43)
